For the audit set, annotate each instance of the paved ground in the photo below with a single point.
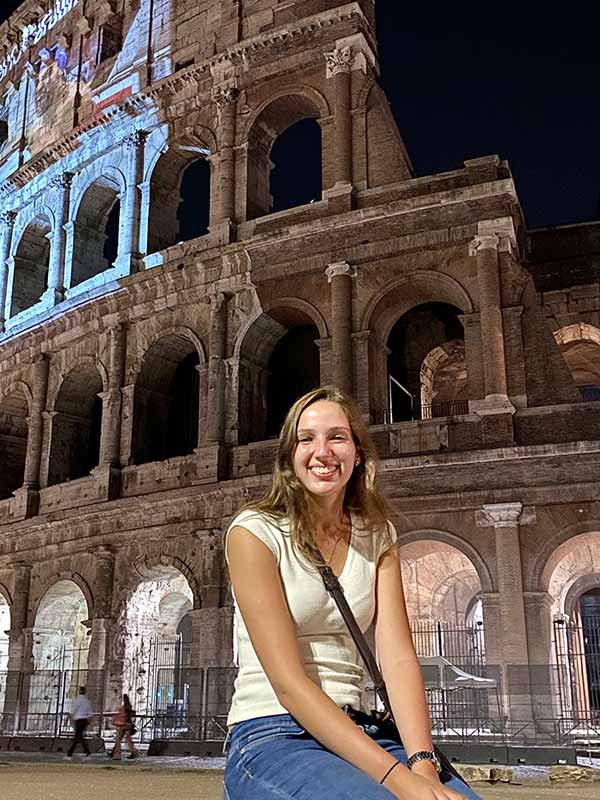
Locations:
(47, 777)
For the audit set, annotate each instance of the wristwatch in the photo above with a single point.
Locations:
(424, 755)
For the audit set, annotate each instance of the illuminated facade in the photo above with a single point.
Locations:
(163, 299)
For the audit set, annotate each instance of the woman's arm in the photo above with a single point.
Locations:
(261, 600)
(399, 664)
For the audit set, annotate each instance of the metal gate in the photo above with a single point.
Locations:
(577, 659)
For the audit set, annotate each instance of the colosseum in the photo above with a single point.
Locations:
(167, 289)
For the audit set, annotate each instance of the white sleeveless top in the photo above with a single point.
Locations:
(328, 653)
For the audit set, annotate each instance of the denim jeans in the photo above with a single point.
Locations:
(274, 758)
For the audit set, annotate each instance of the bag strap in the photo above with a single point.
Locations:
(334, 588)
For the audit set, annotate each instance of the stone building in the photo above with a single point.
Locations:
(166, 292)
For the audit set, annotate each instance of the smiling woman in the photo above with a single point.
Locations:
(293, 719)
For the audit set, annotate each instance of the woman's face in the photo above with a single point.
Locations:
(325, 453)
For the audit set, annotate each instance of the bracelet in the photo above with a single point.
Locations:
(397, 764)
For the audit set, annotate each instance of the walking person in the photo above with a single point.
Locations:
(295, 725)
(123, 722)
(81, 714)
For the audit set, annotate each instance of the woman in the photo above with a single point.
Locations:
(123, 722)
(291, 733)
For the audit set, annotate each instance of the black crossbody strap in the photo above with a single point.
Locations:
(334, 588)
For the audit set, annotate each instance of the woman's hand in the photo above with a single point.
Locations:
(420, 785)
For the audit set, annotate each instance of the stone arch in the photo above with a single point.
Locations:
(97, 223)
(582, 585)
(150, 648)
(274, 117)
(471, 552)
(145, 565)
(274, 342)
(580, 346)
(545, 561)
(81, 362)
(167, 397)
(575, 558)
(15, 406)
(316, 98)
(76, 421)
(404, 292)
(89, 177)
(32, 248)
(180, 190)
(26, 217)
(392, 311)
(443, 376)
(64, 575)
(5, 595)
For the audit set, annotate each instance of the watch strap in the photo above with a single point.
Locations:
(424, 755)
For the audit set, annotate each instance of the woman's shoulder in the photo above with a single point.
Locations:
(269, 529)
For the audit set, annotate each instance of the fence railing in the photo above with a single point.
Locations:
(469, 702)
(454, 408)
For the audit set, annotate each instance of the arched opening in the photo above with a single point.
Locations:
(583, 360)
(167, 401)
(573, 576)
(60, 653)
(14, 410)
(298, 176)
(96, 237)
(156, 641)
(426, 361)
(32, 259)
(443, 595)
(280, 362)
(180, 193)
(76, 426)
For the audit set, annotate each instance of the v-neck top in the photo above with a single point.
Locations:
(327, 650)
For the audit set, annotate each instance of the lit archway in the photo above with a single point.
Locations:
(155, 640)
(580, 346)
(97, 229)
(4, 642)
(31, 263)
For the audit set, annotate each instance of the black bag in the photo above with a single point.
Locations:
(386, 723)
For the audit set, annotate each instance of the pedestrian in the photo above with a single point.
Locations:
(123, 722)
(81, 714)
(295, 720)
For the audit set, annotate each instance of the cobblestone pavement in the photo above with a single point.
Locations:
(47, 777)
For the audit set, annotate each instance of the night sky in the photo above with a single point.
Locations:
(522, 85)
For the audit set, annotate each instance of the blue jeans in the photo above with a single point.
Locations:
(273, 758)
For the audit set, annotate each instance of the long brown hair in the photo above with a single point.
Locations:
(288, 498)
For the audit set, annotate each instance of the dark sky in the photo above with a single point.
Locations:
(520, 84)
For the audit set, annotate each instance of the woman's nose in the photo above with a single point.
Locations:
(323, 446)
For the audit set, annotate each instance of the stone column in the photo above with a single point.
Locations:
(19, 644)
(35, 435)
(340, 276)
(129, 246)
(7, 224)
(226, 100)
(100, 627)
(511, 645)
(545, 691)
(56, 269)
(339, 69)
(217, 368)
(110, 441)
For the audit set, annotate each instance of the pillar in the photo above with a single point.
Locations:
(7, 224)
(100, 627)
(19, 644)
(511, 645)
(110, 442)
(129, 246)
(545, 688)
(217, 368)
(226, 100)
(339, 70)
(36, 423)
(56, 269)
(340, 276)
